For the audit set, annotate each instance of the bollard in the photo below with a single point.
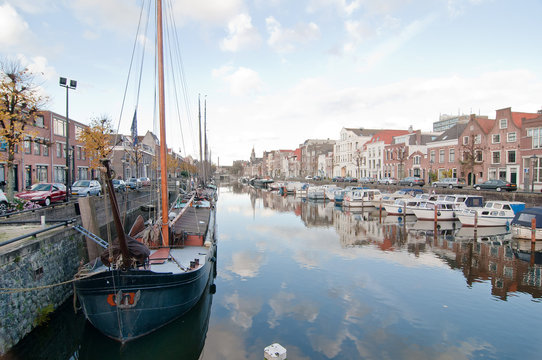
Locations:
(533, 230)
(42, 220)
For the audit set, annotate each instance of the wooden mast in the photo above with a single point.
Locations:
(161, 111)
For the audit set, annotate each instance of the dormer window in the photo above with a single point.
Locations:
(503, 123)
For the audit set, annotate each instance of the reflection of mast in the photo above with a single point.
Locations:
(200, 156)
(205, 166)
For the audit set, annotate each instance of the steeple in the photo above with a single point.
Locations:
(252, 155)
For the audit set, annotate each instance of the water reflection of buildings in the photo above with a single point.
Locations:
(490, 255)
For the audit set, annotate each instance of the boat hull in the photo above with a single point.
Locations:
(524, 232)
(125, 305)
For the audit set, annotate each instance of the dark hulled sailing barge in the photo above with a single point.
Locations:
(136, 288)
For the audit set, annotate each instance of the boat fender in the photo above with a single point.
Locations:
(453, 214)
(438, 213)
(400, 210)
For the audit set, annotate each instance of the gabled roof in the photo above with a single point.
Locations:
(485, 124)
(452, 133)
(386, 136)
(363, 132)
(518, 116)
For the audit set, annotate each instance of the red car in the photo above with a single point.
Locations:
(44, 193)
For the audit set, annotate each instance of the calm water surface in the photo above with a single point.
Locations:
(332, 284)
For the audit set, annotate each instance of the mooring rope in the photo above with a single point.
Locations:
(18, 290)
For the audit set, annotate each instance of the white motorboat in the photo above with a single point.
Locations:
(494, 213)
(362, 198)
(426, 210)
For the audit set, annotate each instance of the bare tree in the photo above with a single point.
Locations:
(20, 100)
(471, 159)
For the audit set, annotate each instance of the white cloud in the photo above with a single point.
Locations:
(395, 43)
(285, 40)
(14, 29)
(35, 6)
(207, 12)
(318, 108)
(241, 34)
(118, 15)
(242, 81)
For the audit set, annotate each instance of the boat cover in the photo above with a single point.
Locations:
(523, 218)
(138, 251)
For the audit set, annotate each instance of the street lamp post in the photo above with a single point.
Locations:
(534, 159)
(72, 85)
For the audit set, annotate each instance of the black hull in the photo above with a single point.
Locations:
(125, 305)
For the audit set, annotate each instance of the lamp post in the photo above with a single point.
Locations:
(534, 159)
(72, 85)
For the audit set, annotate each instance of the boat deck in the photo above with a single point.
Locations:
(182, 257)
(193, 222)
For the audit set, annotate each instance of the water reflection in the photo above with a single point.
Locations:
(487, 254)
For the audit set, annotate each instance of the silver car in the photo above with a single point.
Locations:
(86, 188)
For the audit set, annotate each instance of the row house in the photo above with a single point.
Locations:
(403, 156)
(347, 152)
(139, 160)
(507, 156)
(530, 146)
(373, 153)
(277, 163)
(483, 149)
(325, 165)
(310, 150)
(42, 157)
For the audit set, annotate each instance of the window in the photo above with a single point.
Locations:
(59, 174)
(59, 127)
(503, 123)
(478, 156)
(432, 156)
(465, 140)
(416, 160)
(45, 150)
(496, 138)
(38, 121)
(537, 137)
(41, 173)
(79, 130)
(37, 147)
(478, 139)
(27, 149)
(58, 150)
(451, 156)
(511, 137)
(511, 157)
(441, 156)
(495, 157)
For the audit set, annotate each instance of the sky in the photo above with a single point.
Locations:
(274, 73)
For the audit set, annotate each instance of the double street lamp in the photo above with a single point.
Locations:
(72, 85)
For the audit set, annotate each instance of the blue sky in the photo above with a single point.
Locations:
(278, 72)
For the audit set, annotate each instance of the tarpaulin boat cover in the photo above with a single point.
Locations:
(523, 218)
(138, 251)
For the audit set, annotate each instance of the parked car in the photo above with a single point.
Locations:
(498, 185)
(449, 183)
(44, 193)
(3, 203)
(411, 181)
(387, 181)
(133, 183)
(350, 179)
(366, 180)
(338, 179)
(317, 178)
(145, 181)
(119, 185)
(86, 188)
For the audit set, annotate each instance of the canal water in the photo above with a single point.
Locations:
(327, 283)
